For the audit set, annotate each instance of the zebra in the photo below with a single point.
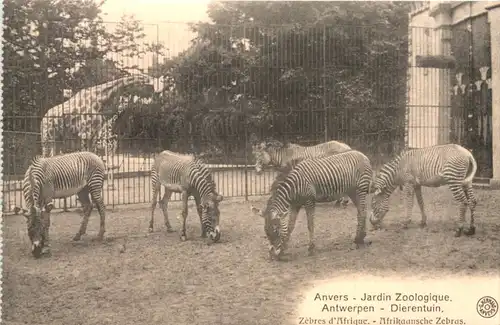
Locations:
(61, 176)
(435, 166)
(310, 181)
(188, 175)
(267, 155)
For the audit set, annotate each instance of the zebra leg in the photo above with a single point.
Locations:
(460, 196)
(65, 205)
(164, 208)
(359, 200)
(199, 210)
(409, 191)
(96, 194)
(184, 214)
(472, 202)
(310, 209)
(420, 201)
(83, 197)
(291, 225)
(156, 192)
(46, 241)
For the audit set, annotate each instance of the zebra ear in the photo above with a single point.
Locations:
(377, 192)
(218, 197)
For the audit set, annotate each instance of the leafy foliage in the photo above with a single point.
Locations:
(50, 46)
(335, 65)
(245, 74)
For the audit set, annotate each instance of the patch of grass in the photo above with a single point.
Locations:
(160, 280)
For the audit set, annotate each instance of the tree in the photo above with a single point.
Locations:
(346, 57)
(50, 46)
(43, 41)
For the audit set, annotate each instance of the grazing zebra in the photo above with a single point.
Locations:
(266, 155)
(61, 176)
(435, 166)
(187, 175)
(310, 181)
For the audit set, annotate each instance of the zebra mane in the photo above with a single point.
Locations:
(282, 175)
(208, 175)
(36, 160)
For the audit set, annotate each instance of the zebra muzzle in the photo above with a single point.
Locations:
(36, 249)
(274, 253)
(215, 235)
(375, 222)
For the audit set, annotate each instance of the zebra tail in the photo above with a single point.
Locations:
(468, 179)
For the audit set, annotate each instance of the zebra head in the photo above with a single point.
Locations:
(37, 222)
(210, 212)
(275, 227)
(382, 187)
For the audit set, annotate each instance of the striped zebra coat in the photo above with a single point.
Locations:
(310, 181)
(185, 174)
(267, 155)
(451, 165)
(279, 157)
(61, 176)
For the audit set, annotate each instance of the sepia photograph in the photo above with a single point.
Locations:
(215, 162)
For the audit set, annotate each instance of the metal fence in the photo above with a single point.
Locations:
(232, 86)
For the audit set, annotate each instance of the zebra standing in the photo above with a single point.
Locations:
(61, 176)
(266, 155)
(310, 181)
(435, 166)
(189, 176)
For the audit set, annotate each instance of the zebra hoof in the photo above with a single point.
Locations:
(150, 229)
(458, 232)
(183, 238)
(471, 231)
(77, 237)
(362, 243)
(170, 230)
(423, 224)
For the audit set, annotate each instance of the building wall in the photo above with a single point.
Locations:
(423, 99)
(429, 89)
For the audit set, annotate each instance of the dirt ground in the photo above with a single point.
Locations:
(160, 280)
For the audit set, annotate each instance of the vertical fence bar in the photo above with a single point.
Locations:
(245, 124)
(323, 82)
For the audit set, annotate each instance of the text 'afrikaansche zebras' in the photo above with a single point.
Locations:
(189, 176)
(435, 166)
(310, 181)
(62, 176)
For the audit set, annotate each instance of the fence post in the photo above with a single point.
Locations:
(246, 127)
(325, 108)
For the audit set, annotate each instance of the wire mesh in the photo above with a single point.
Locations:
(224, 85)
